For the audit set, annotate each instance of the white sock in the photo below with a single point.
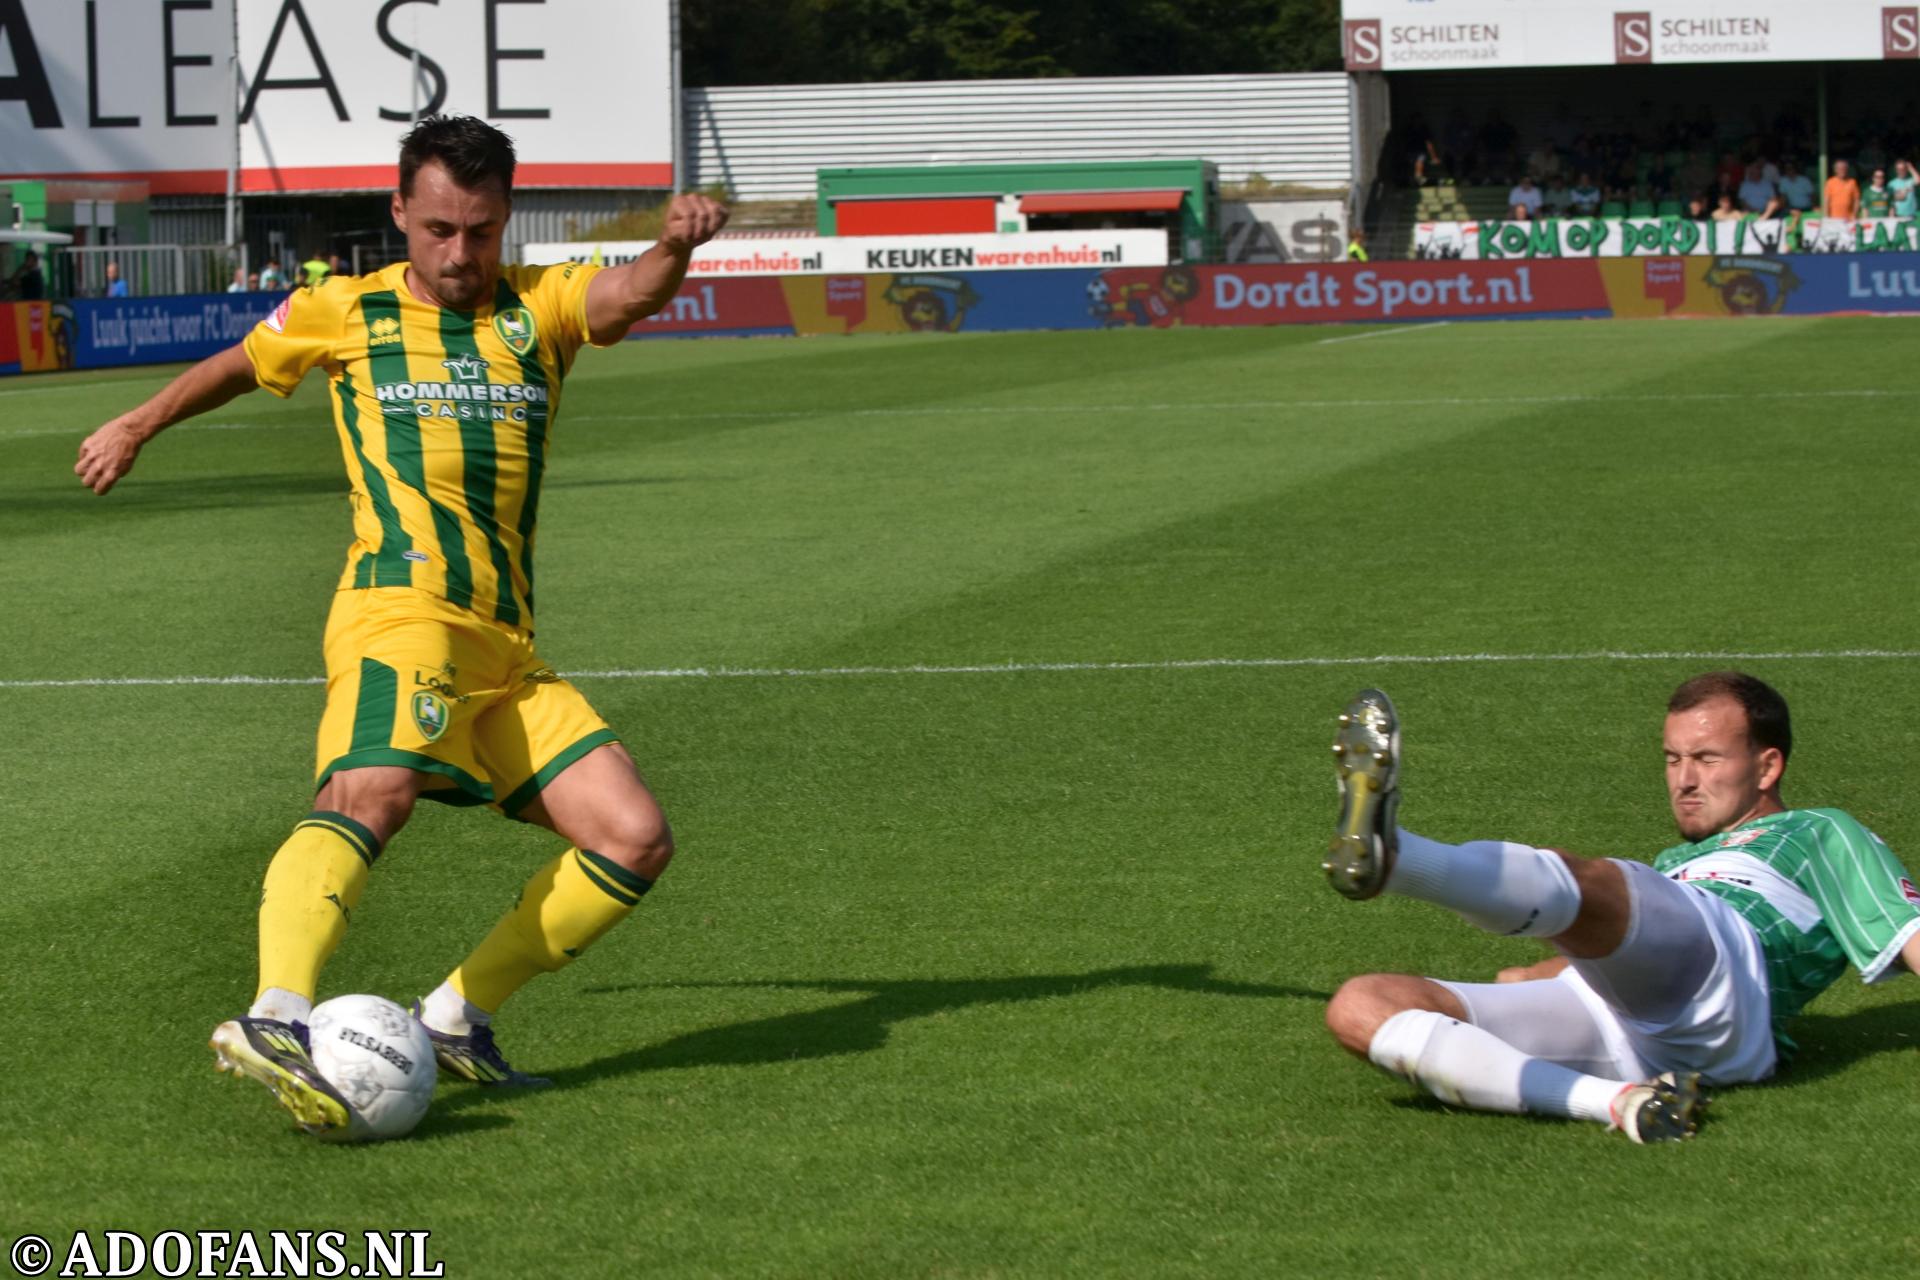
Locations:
(1458, 1062)
(448, 1012)
(281, 1005)
(1508, 889)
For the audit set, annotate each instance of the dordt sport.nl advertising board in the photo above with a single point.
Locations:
(1436, 35)
(142, 89)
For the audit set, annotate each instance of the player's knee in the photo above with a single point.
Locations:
(639, 840)
(1357, 1010)
(381, 799)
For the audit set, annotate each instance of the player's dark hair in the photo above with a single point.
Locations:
(1768, 724)
(473, 151)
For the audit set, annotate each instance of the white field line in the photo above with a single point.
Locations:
(1019, 668)
(1383, 333)
(997, 410)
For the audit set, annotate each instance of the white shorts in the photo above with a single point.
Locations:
(1686, 990)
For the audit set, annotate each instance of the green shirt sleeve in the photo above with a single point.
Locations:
(1867, 897)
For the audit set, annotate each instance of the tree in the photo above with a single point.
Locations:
(827, 41)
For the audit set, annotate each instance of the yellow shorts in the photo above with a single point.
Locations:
(414, 680)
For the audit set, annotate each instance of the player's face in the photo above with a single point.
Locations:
(1716, 777)
(453, 237)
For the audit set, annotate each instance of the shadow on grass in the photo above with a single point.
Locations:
(1831, 1044)
(863, 1025)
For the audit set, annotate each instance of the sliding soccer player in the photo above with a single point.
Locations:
(1670, 976)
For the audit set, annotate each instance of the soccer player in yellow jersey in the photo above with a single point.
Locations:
(444, 373)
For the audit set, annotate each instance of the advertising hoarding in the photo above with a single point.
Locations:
(143, 90)
(101, 332)
(842, 255)
(1434, 35)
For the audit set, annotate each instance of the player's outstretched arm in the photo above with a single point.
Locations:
(620, 297)
(108, 453)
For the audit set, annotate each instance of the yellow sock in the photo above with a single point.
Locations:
(569, 902)
(313, 884)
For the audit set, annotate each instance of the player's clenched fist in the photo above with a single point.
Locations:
(106, 455)
(692, 220)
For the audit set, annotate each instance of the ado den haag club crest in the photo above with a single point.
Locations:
(429, 715)
(515, 327)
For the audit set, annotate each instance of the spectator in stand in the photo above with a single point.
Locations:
(1583, 201)
(253, 282)
(1877, 201)
(270, 277)
(1556, 200)
(1728, 176)
(239, 282)
(1698, 210)
(1843, 193)
(1906, 201)
(1758, 196)
(1796, 188)
(1357, 246)
(1726, 210)
(1429, 168)
(314, 270)
(27, 284)
(1525, 199)
(116, 287)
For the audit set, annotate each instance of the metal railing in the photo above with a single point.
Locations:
(147, 270)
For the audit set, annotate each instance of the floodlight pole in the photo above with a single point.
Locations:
(233, 139)
(679, 137)
(1820, 98)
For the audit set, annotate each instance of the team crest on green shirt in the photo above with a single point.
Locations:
(515, 327)
(429, 715)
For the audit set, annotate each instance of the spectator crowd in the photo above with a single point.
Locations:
(1685, 165)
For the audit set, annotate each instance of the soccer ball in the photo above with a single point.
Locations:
(380, 1060)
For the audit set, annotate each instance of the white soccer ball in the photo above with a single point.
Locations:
(380, 1060)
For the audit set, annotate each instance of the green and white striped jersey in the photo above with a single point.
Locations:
(1819, 889)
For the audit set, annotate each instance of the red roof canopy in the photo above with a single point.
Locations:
(1101, 201)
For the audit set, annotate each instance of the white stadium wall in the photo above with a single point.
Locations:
(142, 90)
(765, 143)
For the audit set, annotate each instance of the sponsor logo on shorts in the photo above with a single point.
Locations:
(440, 682)
(418, 557)
(429, 715)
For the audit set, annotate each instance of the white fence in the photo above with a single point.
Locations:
(148, 270)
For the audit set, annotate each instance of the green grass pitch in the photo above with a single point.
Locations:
(982, 973)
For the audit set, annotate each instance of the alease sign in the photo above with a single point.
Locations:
(141, 88)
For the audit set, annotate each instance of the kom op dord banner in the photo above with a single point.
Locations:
(1661, 237)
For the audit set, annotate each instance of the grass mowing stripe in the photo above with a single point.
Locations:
(1020, 668)
(1419, 402)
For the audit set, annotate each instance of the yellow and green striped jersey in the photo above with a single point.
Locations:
(443, 418)
(1819, 889)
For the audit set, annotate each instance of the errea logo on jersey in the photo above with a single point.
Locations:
(467, 368)
(1909, 892)
(383, 332)
(1737, 838)
(278, 320)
